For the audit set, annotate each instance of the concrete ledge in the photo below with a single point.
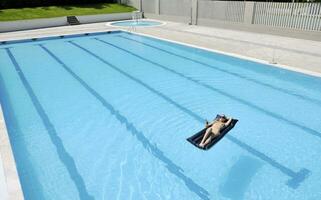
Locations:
(287, 67)
(182, 19)
(9, 179)
(32, 24)
(59, 21)
(85, 19)
(295, 33)
(287, 32)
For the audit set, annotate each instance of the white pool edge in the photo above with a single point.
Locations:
(125, 29)
(9, 178)
(162, 23)
(290, 68)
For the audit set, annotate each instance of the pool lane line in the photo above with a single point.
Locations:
(65, 158)
(155, 151)
(297, 177)
(213, 67)
(235, 98)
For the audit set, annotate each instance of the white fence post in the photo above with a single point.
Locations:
(141, 5)
(157, 7)
(249, 12)
(194, 11)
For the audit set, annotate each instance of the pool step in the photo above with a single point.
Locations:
(72, 20)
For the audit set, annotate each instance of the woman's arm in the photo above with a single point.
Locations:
(206, 124)
(228, 121)
(209, 124)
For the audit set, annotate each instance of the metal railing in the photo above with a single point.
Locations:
(303, 16)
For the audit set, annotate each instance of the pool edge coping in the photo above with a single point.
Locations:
(115, 29)
(110, 24)
(275, 65)
(11, 177)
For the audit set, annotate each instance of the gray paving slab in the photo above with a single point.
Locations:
(296, 54)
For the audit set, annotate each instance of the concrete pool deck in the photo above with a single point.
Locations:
(292, 53)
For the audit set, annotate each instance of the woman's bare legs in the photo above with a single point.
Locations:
(206, 137)
(209, 139)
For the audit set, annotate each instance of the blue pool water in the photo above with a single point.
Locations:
(136, 23)
(106, 116)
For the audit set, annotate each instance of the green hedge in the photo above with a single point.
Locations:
(34, 3)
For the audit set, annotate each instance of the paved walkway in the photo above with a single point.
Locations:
(297, 53)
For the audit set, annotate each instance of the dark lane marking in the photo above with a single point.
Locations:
(289, 92)
(65, 158)
(297, 177)
(155, 151)
(235, 98)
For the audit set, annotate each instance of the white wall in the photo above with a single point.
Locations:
(85, 19)
(59, 21)
(149, 6)
(221, 10)
(176, 8)
(32, 24)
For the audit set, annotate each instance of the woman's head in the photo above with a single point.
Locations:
(223, 119)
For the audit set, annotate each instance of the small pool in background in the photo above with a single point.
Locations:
(139, 23)
(106, 116)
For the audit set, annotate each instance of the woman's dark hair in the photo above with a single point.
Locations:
(224, 118)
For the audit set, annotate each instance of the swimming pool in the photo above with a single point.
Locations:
(106, 116)
(139, 23)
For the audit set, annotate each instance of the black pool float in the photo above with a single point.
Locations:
(197, 138)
